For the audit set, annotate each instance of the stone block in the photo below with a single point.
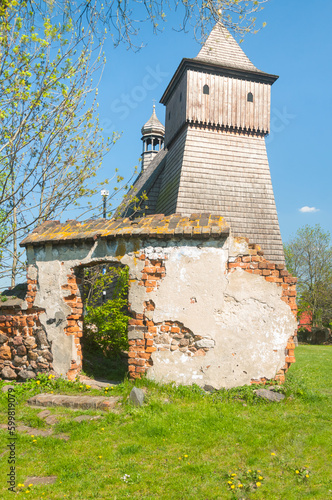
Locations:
(21, 350)
(137, 396)
(209, 343)
(3, 338)
(20, 361)
(8, 373)
(26, 374)
(18, 340)
(269, 395)
(30, 342)
(5, 352)
(135, 335)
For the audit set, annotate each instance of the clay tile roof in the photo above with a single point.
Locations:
(153, 125)
(222, 49)
(159, 226)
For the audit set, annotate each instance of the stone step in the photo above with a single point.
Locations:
(37, 432)
(98, 384)
(84, 402)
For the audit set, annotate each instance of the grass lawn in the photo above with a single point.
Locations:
(184, 443)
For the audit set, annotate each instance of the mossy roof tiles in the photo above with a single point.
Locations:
(159, 226)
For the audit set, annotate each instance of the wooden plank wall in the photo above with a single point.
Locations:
(176, 110)
(227, 104)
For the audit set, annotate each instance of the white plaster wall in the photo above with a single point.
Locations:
(240, 315)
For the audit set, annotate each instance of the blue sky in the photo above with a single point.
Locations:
(296, 45)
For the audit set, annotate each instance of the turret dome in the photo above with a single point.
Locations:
(153, 126)
(153, 134)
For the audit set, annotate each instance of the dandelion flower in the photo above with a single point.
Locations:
(34, 440)
(260, 478)
(272, 454)
(307, 475)
(233, 475)
(32, 435)
(259, 471)
(102, 429)
(240, 485)
(249, 470)
(185, 456)
(38, 382)
(230, 482)
(258, 484)
(30, 485)
(297, 472)
(100, 456)
(232, 487)
(88, 386)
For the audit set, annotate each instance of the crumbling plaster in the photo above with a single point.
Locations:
(241, 318)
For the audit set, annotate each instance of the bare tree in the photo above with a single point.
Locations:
(124, 19)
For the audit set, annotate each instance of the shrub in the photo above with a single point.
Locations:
(106, 324)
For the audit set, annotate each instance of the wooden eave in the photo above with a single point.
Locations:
(207, 67)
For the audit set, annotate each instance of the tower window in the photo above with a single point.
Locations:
(169, 115)
(180, 96)
(250, 97)
(206, 90)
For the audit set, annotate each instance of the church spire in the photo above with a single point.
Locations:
(222, 49)
(153, 133)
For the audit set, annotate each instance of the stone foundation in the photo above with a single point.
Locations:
(24, 348)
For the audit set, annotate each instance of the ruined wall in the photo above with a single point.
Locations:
(204, 307)
(24, 348)
(218, 316)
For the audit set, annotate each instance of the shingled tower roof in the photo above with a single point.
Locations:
(222, 49)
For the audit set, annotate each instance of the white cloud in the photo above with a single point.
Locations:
(308, 209)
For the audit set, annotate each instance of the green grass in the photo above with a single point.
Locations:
(185, 444)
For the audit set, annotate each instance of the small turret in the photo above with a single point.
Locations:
(153, 134)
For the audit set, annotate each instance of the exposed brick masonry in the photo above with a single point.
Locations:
(146, 336)
(74, 320)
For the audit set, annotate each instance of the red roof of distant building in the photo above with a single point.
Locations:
(306, 320)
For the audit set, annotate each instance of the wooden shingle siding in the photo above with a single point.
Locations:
(227, 173)
(171, 177)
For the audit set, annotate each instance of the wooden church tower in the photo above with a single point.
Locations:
(214, 160)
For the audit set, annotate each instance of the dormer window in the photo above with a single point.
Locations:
(250, 97)
(206, 90)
